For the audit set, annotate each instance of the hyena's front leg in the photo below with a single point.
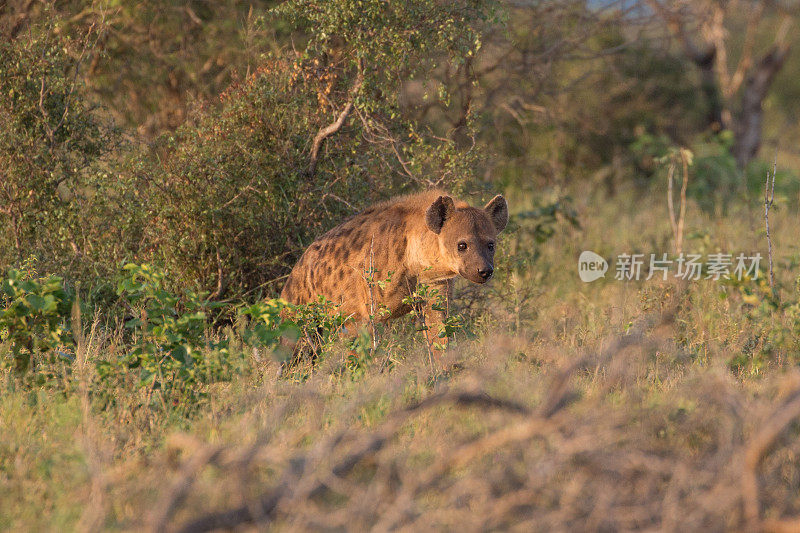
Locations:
(435, 310)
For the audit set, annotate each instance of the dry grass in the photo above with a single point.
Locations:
(600, 407)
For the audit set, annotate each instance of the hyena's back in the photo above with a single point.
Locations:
(362, 263)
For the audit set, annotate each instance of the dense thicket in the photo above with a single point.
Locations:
(53, 153)
(228, 200)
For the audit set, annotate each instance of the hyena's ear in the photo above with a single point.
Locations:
(498, 212)
(439, 211)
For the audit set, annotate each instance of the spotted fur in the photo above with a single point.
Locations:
(423, 238)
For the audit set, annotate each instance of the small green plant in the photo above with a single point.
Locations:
(363, 350)
(34, 315)
(318, 325)
(267, 327)
(425, 296)
(768, 334)
(542, 221)
(171, 345)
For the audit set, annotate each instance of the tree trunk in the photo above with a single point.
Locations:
(710, 86)
(749, 121)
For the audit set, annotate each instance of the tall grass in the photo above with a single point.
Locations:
(604, 406)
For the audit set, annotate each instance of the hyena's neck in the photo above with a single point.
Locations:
(424, 259)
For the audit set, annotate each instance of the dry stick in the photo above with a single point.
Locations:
(330, 129)
(755, 451)
(769, 198)
(772, 525)
(544, 419)
(671, 207)
(371, 285)
(677, 225)
(560, 396)
(685, 161)
(419, 312)
(220, 284)
(166, 507)
(268, 502)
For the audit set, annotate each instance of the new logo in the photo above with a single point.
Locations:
(591, 266)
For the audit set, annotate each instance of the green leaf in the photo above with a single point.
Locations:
(36, 302)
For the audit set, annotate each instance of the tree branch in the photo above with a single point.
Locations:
(334, 127)
(746, 60)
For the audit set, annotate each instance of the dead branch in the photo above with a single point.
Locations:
(677, 224)
(288, 486)
(334, 127)
(167, 505)
(301, 481)
(769, 198)
(746, 60)
(220, 278)
(754, 453)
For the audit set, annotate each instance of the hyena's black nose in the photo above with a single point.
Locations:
(486, 272)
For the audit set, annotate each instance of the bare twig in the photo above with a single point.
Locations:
(334, 127)
(220, 278)
(377, 133)
(370, 280)
(677, 224)
(671, 206)
(754, 453)
(159, 519)
(769, 198)
(685, 161)
(290, 484)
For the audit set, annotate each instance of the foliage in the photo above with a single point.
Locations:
(51, 144)
(269, 326)
(425, 296)
(715, 180)
(318, 326)
(233, 206)
(171, 348)
(156, 58)
(773, 324)
(237, 197)
(389, 41)
(34, 316)
(541, 222)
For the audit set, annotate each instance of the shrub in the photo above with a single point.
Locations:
(34, 316)
(233, 197)
(266, 327)
(228, 204)
(171, 347)
(51, 144)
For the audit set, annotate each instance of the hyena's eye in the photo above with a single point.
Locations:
(490, 246)
(462, 246)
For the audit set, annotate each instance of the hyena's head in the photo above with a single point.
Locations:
(467, 235)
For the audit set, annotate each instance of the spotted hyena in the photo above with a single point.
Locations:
(427, 238)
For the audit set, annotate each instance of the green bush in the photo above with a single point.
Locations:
(266, 327)
(34, 316)
(51, 148)
(229, 201)
(172, 348)
(772, 323)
